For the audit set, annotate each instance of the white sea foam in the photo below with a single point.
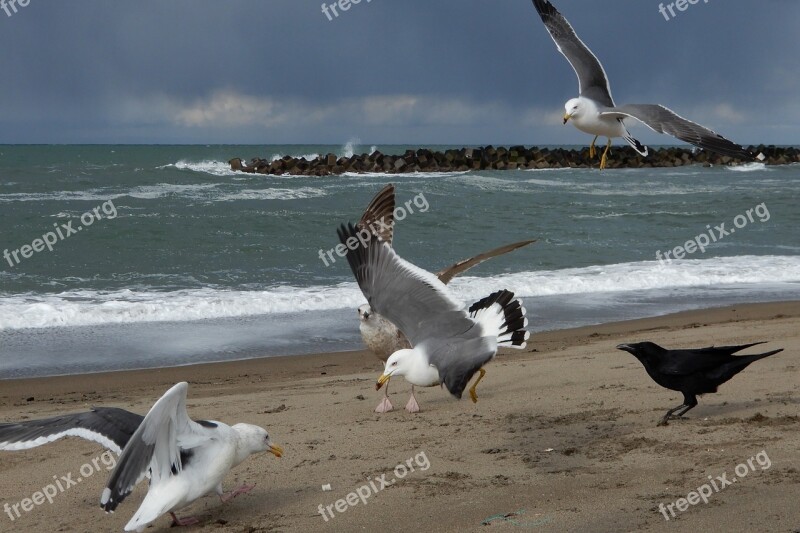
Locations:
(85, 307)
(642, 276)
(560, 169)
(307, 157)
(209, 192)
(272, 194)
(93, 195)
(406, 175)
(748, 167)
(161, 190)
(348, 150)
(215, 168)
(550, 183)
(647, 214)
(80, 308)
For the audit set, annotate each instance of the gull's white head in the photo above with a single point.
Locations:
(364, 312)
(573, 109)
(255, 439)
(398, 364)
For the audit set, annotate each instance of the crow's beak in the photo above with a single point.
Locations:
(625, 348)
(382, 380)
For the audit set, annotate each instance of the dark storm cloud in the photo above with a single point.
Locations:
(418, 71)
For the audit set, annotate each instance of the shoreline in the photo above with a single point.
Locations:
(338, 363)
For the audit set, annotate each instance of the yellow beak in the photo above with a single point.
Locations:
(382, 380)
(567, 117)
(276, 450)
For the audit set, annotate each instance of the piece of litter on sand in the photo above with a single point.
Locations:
(327, 488)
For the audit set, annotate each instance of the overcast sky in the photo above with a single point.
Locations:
(386, 71)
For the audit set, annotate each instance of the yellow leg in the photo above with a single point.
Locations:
(604, 159)
(472, 392)
(592, 151)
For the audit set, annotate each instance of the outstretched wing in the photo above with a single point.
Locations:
(156, 446)
(108, 426)
(662, 120)
(592, 79)
(447, 274)
(378, 217)
(413, 299)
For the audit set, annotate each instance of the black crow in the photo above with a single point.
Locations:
(691, 372)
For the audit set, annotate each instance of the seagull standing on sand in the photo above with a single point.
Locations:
(184, 459)
(379, 334)
(450, 342)
(594, 111)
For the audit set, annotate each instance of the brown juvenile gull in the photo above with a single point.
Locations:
(379, 334)
(594, 111)
(450, 342)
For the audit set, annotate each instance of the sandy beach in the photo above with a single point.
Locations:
(563, 438)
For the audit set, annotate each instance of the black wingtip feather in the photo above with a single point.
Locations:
(357, 259)
(514, 321)
(545, 8)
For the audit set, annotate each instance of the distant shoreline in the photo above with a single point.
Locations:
(500, 158)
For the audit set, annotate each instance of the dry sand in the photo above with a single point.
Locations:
(564, 436)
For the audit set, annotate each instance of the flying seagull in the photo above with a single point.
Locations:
(594, 111)
(451, 343)
(379, 334)
(691, 372)
(184, 459)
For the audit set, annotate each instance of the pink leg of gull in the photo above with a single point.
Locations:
(181, 522)
(412, 406)
(244, 489)
(386, 405)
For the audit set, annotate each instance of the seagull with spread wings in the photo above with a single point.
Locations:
(185, 459)
(595, 113)
(450, 342)
(380, 335)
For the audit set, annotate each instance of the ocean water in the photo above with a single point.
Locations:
(162, 256)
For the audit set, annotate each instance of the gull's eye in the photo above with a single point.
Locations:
(394, 364)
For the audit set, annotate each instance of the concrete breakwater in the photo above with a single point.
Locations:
(491, 158)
